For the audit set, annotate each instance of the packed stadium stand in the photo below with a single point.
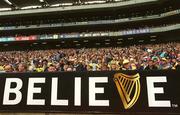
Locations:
(140, 57)
(42, 36)
(141, 23)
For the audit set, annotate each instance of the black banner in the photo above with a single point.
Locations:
(91, 92)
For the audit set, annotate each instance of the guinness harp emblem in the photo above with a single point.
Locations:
(128, 88)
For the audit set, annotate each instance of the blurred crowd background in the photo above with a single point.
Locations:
(137, 57)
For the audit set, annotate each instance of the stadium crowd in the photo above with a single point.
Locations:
(137, 57)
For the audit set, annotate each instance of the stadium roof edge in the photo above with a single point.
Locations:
(75, 8)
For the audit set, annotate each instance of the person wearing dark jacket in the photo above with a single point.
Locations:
(151, 66)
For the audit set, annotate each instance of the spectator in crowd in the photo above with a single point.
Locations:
(51, 68)
(8, 68)
(151, 65)
(126, 65)
(22, 67)
(137, 57)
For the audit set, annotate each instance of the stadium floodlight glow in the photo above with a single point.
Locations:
(153, 36)
(5, 44)
(93, 2)
(35, 43)
(66, 4)
(5, 9)
(107, 40)
(44, 43)
(141, 41)
(7, 1)
(78, 44)
(63, 4)
(41, 0)
(58, 45)
(130, 38)
(152, 40)
(55, 5)
(97, 43)
(118, 0)
(30, 7)
(119, 42)
(120, 39)
(75, 41)
(85, 40)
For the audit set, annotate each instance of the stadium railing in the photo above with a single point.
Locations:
(93, 34)
(74, 8)
(158, 16)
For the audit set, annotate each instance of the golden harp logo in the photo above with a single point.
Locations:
(128, 88)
